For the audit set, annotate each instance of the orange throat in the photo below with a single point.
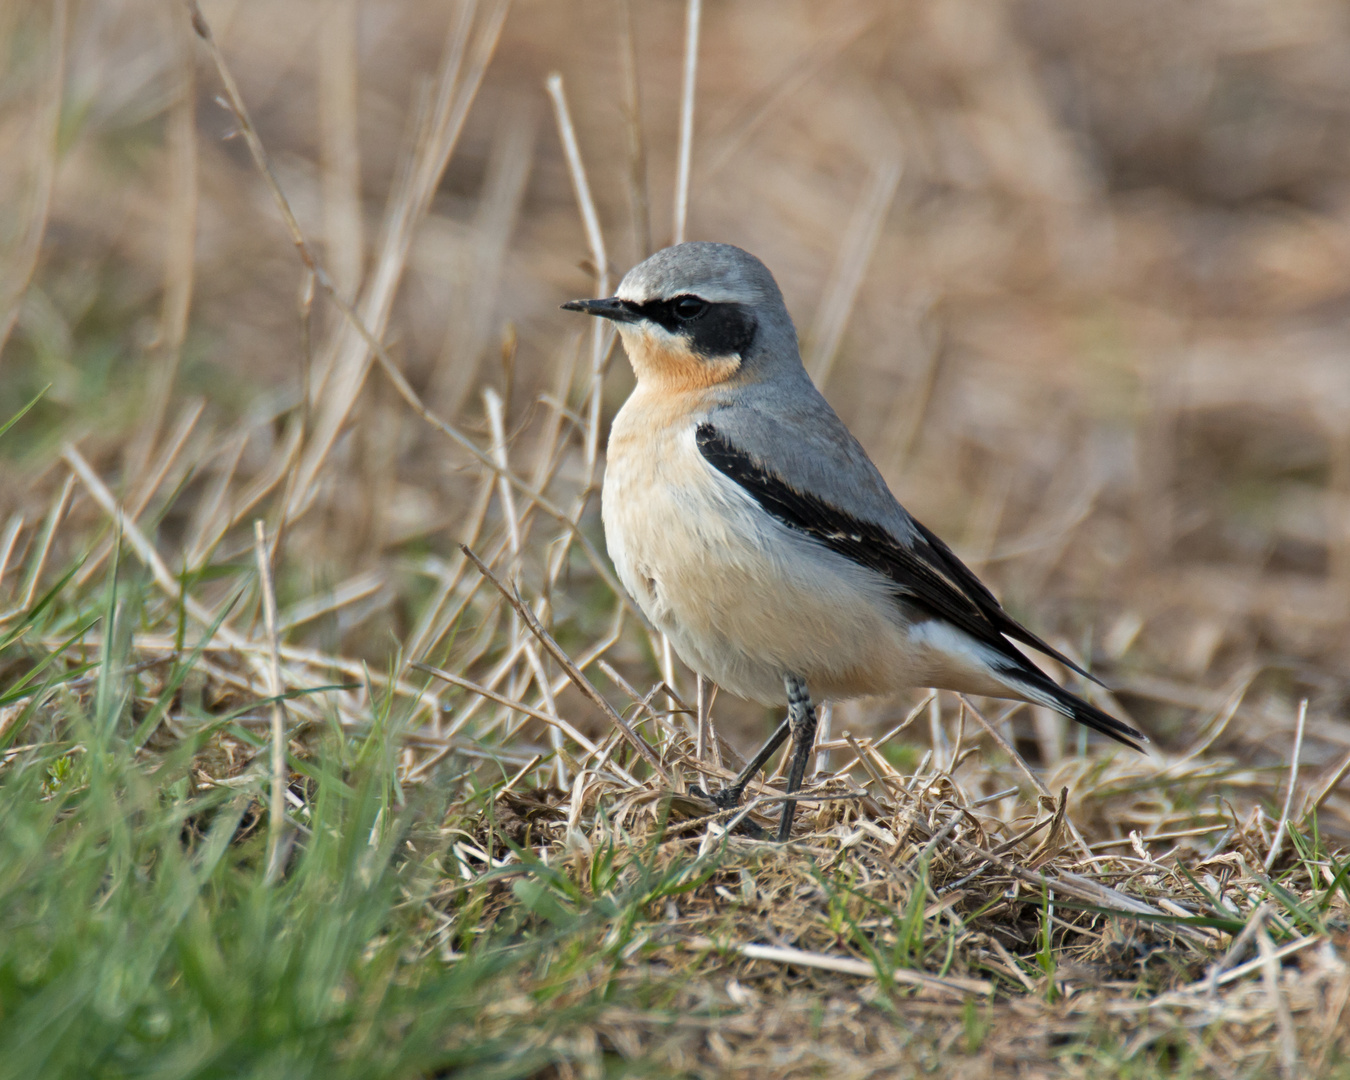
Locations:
(665, 361)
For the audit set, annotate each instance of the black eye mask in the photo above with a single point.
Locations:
(711, 329)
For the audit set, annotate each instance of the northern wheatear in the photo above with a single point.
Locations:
(754, 531)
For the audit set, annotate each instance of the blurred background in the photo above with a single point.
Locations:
(1074, 271)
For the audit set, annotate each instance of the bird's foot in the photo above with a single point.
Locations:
(729, 799)
(726, 799)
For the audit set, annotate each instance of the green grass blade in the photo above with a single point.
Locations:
(20, 414)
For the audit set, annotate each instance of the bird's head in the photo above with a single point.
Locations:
(697, 314)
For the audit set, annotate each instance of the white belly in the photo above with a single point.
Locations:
(743, 599)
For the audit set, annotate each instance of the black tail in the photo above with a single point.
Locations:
(1039, 687)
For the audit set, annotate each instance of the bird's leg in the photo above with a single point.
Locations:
(802, 720)
(800, 723)
(731, 796)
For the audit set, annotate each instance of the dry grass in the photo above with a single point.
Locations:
(1074, 275)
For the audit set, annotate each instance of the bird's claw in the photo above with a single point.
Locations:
(726, 799)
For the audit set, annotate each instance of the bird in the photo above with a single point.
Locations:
(754, 531)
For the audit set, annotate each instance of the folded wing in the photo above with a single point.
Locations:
(924, 571)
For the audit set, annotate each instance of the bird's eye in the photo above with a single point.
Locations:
(689, 307)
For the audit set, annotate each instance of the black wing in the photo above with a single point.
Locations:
(990, 608)
(926, 573)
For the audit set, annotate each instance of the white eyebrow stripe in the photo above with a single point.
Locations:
(711, 292)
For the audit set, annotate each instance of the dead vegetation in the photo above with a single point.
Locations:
(1073, 274)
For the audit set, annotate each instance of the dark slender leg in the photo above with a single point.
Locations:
(731, 796)
(801, 719)
(801, 725)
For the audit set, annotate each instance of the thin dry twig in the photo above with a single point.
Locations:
(638, 202)
(1279, 1005)
(692, 16)
(577, 171)
(340, 150)
(1014, 756)
(797, 72)
(180, 242)
(823, 733)
(850, 268)
(11, 535)
(1314, 799)
(145, 490)
(1278, 842)
(846, 965)
(20, 269)
(1241, 971)
(551, 719)
(601, 335)
(463, 67)
(573, 672)
(1331, 1028)
(141, 545)
(276, 822)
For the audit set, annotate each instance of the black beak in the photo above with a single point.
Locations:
(611, 308)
